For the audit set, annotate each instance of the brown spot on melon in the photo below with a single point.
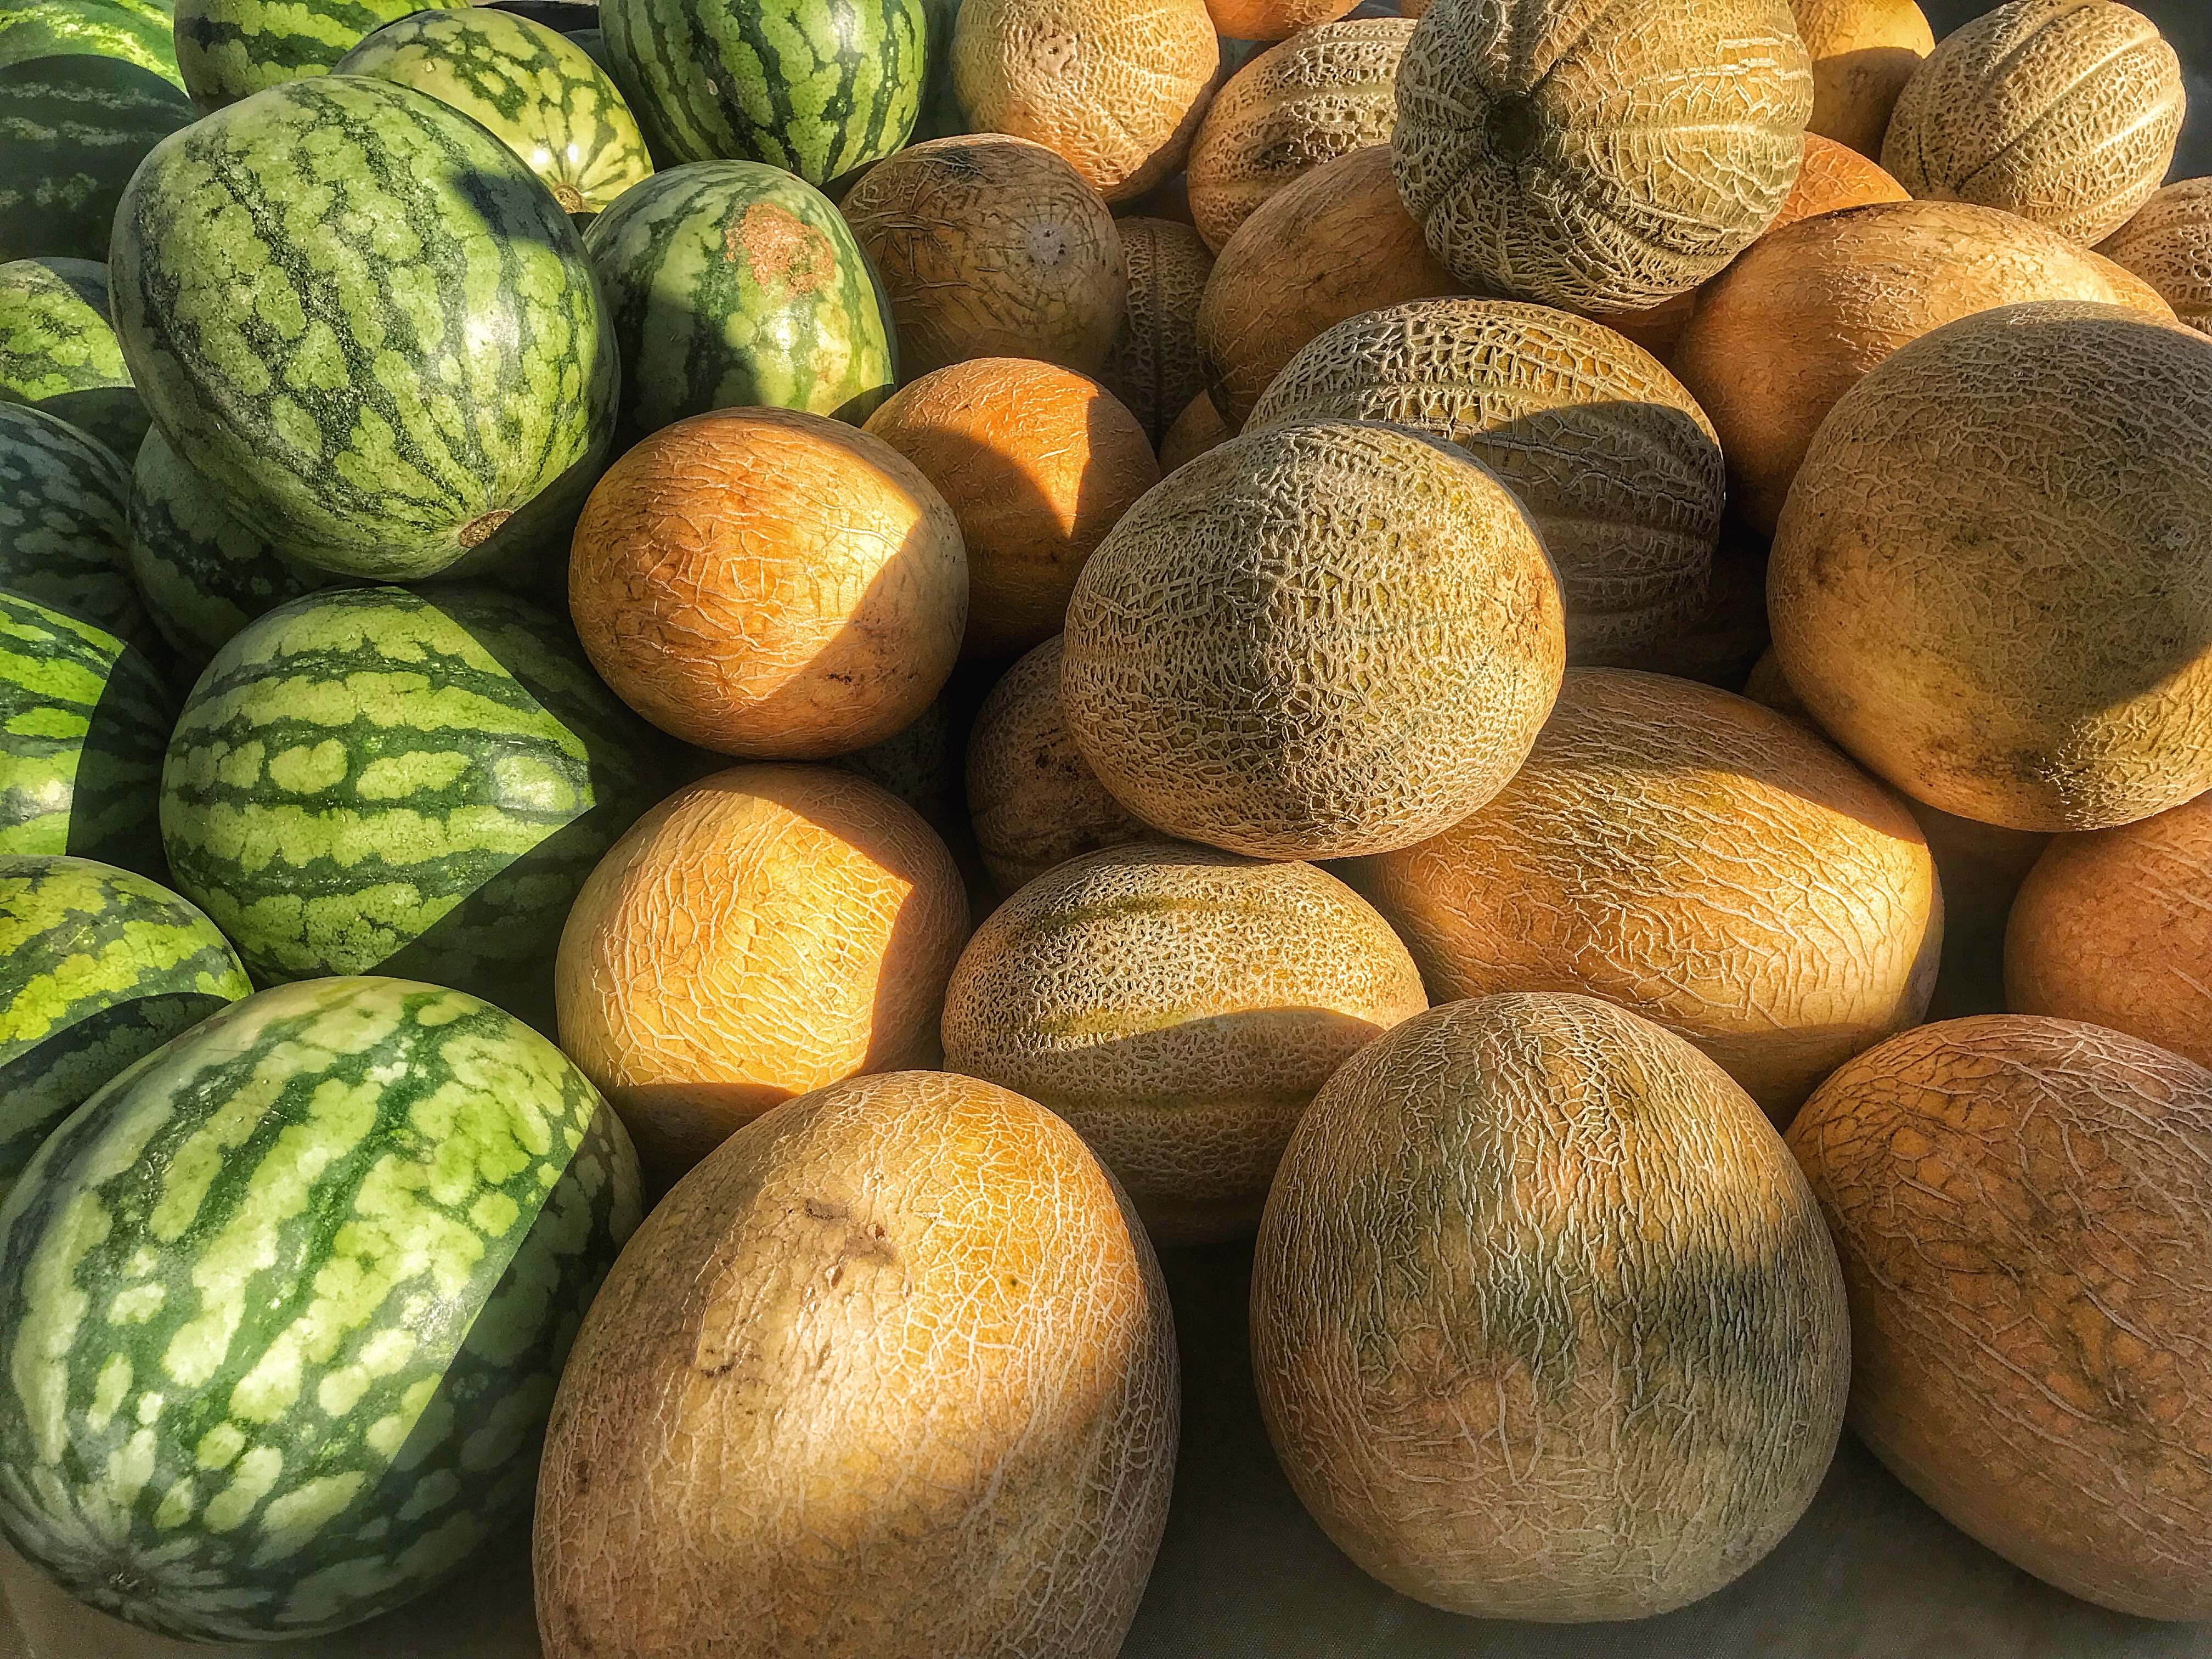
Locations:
(780, 251)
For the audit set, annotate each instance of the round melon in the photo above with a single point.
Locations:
(1992, 583)
(1615, 463)
(1320, 639)
(1613, 156)
(228, 50)
(1153, 366)
(768, 583)
(1273, 20)
(1321, 95)
(64, 524)
(2063, 112)
(58, 351)
(76, 125)
(1117, 86)
(1545, 1324)
(2023, 1208)
(991, 246)
(1864, 51)
(1697, 858)
(1335, 243)
(2168, 243)
(1197, 429)
(1802, 317)
(1038, 463)
(1179, 1006)
(763, 932)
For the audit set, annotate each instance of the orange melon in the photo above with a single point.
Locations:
(1864, 51)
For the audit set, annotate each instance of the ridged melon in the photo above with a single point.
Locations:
(2168, 243)
(1864, 51)
(1153, 366)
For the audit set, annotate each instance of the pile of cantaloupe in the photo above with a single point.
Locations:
(1327, 517)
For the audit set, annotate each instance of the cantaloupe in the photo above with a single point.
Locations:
(769, 583)
(1179, 1006)
(1613, 458)
(2023, 1208)
(1117, 86)
(1321, 639)
(761, 933)
(1038, 463)
(1697, 858)
(990, 246)
(2115, 927)
(1802, 317)
(1273, 20)
(2168, 243)
(1153, 366)
(1349, 239)
(1197, 429)
(1599, 157)
(1864, 51)
(1321, 94)
(892, 1375)
(1032, 799)
(2064, 111)
(1992, 582)
(1545, 1324)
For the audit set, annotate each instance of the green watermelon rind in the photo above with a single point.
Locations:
(64, 524)
(74, 130)
(59, 352)
(138, 32)
(228, 50)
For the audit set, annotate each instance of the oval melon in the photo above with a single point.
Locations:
(1545, 1324)
(1864, 51)
(1153, 366)
(2168, 244)
(1273, 20)
(981, 1467)
(58, 351)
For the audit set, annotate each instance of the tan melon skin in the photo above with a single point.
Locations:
(1117, 86)
(2168, 244)
(892, 1375)
(1697, 858)
(2023, 1208)
(1179, 1006)
(2115, 927)
(1599, 156)
(1990, 583)
(1320, 640)
(2064, 111)
(761, 933)
(1810, 311)
(1197, 429)
(1614, 461)
(1153, 367)
(1545, 1324)
(1864, 51)
(990, 246)
(1321, 95)
(1273, 20)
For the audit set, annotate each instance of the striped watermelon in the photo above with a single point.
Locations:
(58, 351)
(372, 328)
(65, 529)
(815, 87)
(98, 966)
(283, 1306)
(137, 31)
(231, 49)
(732, 283)
(536, 92)
(413, 783)
(73, 129)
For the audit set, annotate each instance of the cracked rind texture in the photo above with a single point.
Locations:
(1864, 51)
(1038, 463)
(2020, 1207)
(1697, 858)
(991, 246)
(892, 1376)
(1318, 95)
(1153, 366)
(1810, 311)
(2115, 927)
(1545, 1322)
(2063, 112)
(59, 352)
(770, 584)
(1992, 582)
(1179, 1006)
(2168, 243)
(1599, 155)
(1614, 461)
(1033, 799)
(1117, 86)
(761, 933)
(1331, 243)
(1323, 639)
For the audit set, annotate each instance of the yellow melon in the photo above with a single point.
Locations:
(1273, 20)
(1153, 367)
(2168, 244)
(1864, 51)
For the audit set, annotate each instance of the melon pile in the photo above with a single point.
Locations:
(702, 721)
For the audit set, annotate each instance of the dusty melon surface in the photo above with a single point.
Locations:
(2168, 243)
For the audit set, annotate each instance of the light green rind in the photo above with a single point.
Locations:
(137, 31)
(73, 129)
(58, 351)
(65, 533)
(228, 50)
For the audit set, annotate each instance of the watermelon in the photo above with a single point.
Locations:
(363, 318)
(98, 966)
(732, 283)
(84, 722)
(65, 528)
(137, 31)
(406, 782)
(815, 87)
(58, 351)
(536, 92)
(283, 1306)
(73, 129)
(231, 49)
